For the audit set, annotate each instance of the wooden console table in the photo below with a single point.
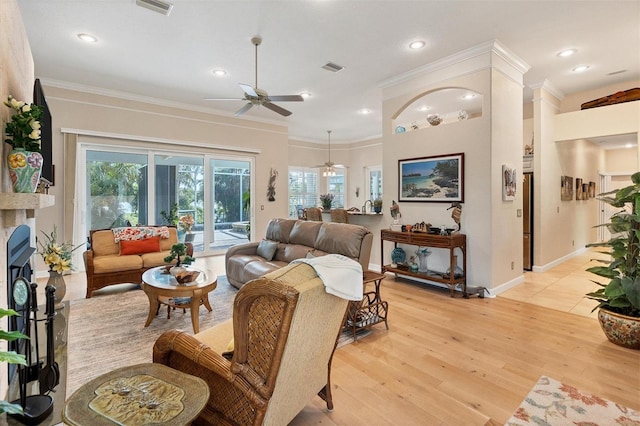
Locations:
(422, 239)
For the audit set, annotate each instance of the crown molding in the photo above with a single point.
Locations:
(151, 100)
(548, 87)
(489, 47)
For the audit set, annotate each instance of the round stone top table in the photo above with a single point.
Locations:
(137, 395)
(162, 287)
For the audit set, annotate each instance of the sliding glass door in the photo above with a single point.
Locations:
(129, 186)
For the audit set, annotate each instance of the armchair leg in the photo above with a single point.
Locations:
(325, 394)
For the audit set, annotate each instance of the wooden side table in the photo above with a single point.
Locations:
(137, 395)
(370, 310)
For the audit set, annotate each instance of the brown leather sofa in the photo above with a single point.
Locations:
(292, 239)
(105, 265)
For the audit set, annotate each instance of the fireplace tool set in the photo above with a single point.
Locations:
(36, 408)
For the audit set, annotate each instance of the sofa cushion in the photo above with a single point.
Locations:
(340, 238)
(292, 252)
(255, 270)
(145, 245)
(116, 263)
(267, 249)
(279, 230)
(304, 233)
(150, 260)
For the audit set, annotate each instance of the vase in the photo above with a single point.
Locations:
(620, 329)
(189, 237)
(24, 168)
(57, 281)
(423, 255)
(457, 271)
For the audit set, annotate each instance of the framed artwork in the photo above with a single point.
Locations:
(434, 179)
(508, 183)
(579, 195)
(566, 188)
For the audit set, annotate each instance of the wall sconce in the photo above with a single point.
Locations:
(357, 192)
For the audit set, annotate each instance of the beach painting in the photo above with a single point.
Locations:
(434, 179)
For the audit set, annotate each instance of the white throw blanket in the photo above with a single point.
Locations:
(341, 276)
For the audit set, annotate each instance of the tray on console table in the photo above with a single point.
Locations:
(421, 239)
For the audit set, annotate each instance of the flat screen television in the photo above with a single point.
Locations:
(46, 133)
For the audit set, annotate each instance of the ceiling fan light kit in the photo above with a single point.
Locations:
(330, 167)
(256, 96)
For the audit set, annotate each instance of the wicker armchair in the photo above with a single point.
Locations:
(285, 327)
(314, 213)
(339, 216)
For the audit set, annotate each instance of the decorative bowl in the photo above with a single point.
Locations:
(434, 119)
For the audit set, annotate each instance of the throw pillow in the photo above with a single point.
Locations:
(147, 245)
(267, 249)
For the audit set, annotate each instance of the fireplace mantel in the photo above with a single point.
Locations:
(17, 207)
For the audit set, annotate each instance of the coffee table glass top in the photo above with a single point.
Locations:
(161, 278)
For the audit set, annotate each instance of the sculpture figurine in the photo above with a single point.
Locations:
(271, 188)
(455, 214)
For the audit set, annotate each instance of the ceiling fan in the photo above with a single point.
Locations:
(330, 167)
(256, 96)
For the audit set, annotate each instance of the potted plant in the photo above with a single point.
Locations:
(11, 357)
(377, 205)
(186, 223)
(178, 250)
(326, 200)
(171, 218)
(619, 299)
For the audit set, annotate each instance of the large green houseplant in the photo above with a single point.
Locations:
(10, 357)
(619, 299)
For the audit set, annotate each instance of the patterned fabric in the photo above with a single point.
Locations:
(553, 403)
(139, 232)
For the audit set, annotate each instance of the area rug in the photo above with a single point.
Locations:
(551, 403)
(107, 332)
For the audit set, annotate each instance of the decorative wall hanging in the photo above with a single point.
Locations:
(508, 183)
(566, 188)
(592, 190)
(579, 195)
(271, 188)
(437, 179)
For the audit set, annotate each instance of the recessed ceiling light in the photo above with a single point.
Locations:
(219, 73)
(580, 68)
(87, 37)
(424, 108)
(418, 44)
(365, 111)
(468, 96)
(305, 94)
(567, 52)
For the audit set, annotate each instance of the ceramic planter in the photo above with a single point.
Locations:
(24, 168)
(620, 329)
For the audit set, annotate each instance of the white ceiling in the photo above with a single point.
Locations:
(170, 58)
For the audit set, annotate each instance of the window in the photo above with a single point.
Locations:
(303, 189)
(374, 182)
(336, 186)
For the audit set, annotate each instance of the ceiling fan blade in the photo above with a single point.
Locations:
(244, 109)
(223, 99)
(248, 90)
(276, 108)
(286, 98)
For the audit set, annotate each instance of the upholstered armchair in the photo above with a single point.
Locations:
(285, 328)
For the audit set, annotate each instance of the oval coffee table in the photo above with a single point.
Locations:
(162, 287)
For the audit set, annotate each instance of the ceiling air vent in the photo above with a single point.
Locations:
(330, 66)
(156, 5)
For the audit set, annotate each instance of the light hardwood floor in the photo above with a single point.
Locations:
(454, 361)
